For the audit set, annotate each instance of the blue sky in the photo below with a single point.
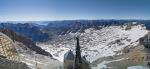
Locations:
(36, 10)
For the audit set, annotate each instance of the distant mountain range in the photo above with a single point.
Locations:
(29, 30)
(47, 30)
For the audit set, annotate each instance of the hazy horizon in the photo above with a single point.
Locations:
(53, 10)
(66, 20)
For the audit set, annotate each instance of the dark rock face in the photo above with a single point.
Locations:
(8, 64)
(26, 41)
(145, 41)
(148, 63)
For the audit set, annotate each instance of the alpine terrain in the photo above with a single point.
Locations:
(78, 44)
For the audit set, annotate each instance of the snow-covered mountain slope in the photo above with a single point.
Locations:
(16, 50)
(96, 43)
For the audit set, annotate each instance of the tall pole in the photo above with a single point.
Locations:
(78, 55)
(36, 62)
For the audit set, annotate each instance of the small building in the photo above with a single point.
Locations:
(69, 60)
